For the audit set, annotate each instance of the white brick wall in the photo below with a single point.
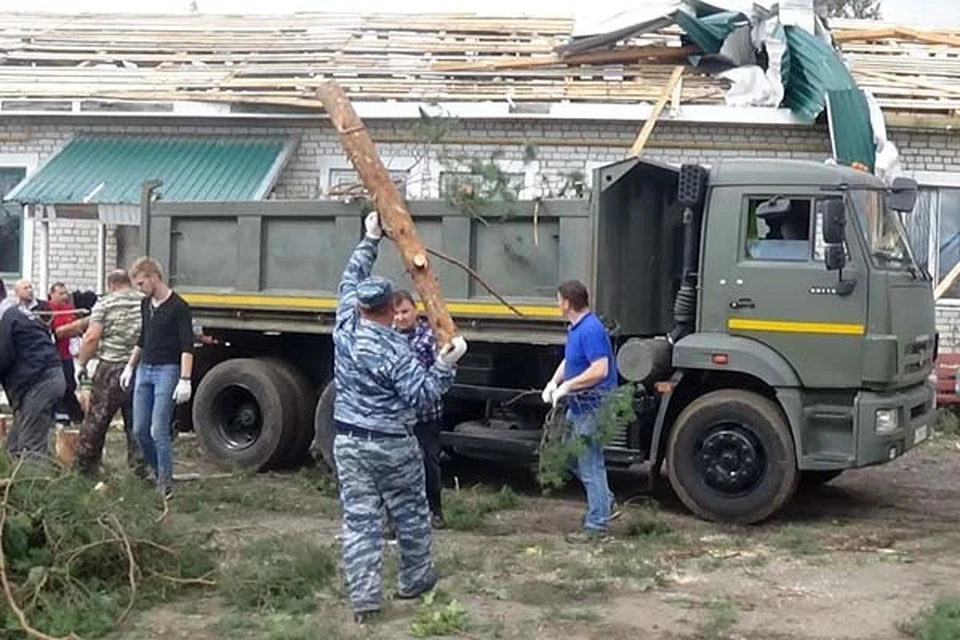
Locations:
(561, 148)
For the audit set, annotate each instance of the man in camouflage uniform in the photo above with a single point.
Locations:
(112, 334)
(380, 387)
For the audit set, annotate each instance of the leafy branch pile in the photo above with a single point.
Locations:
(75, 560)
(560, 447)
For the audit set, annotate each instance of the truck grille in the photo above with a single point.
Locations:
(919, 354)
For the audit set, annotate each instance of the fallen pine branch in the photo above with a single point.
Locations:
(7, 590)
(476, 276)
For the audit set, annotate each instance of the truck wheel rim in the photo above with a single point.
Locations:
(730, 459)
(239, 421)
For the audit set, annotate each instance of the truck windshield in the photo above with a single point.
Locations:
(886, 237)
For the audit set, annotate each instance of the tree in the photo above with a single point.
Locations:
(866, 9)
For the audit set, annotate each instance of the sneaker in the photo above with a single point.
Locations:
(400, 595)
(586, 536)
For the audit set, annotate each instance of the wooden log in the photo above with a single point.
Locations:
(394, 216)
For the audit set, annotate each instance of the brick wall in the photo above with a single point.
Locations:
(560, 150)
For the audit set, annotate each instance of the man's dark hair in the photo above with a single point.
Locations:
(402, 295)
(118, 278)
(3, 290)
(57, 285)
(575, 292)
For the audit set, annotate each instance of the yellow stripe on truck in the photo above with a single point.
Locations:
(330, 304)
(788, 326)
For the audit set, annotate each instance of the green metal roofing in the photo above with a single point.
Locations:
(814, 69)
(110, 169)
(850, 130)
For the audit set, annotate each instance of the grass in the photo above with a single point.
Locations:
(574, 614)
(798, 541)
(283, 574)
(940, 622)
(467, 510)
(438, 615)
(722, 615)
(214, 499)
(541, 592)
(947, 424)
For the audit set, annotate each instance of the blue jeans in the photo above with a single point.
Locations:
(152, 412)
(591, 470)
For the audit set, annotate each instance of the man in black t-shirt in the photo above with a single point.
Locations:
(161, 364)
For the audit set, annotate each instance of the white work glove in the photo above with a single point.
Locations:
(182, 393)
(450, 355)
(126, 377)
(372, 225)
(562, 391)
(548, 391)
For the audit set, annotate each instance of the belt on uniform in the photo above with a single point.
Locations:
(344, 429)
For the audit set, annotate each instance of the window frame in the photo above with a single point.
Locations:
(936, 181)
(28, 162)
(744, 255)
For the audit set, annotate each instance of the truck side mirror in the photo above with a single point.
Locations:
(835, 257)
(903, 195)
(834, 222)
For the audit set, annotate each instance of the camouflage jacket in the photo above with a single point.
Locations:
(119, 315)
(380, 384)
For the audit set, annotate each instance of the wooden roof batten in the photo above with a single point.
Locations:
(49, 61)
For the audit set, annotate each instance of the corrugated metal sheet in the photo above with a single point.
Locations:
(813, 70)
(710, 31)
(850, 129)
(110, 169)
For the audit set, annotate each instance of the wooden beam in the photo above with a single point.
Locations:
(947, 282)
(651, 122)
(394, 216)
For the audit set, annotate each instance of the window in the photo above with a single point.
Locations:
(778, 228)
(933, 227)
(11, 222)
(487, 187)
(346, 182)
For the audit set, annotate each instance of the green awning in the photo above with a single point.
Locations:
(109, 170)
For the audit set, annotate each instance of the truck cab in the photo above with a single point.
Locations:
(813, 341)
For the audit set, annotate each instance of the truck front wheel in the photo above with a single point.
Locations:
(730, 457)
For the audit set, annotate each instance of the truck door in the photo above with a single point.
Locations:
(769, 283)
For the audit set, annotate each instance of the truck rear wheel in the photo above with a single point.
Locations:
(730, 457)
(324, 429)
(303, 398)
(243, 414)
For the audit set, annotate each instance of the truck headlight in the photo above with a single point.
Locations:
(887, 421)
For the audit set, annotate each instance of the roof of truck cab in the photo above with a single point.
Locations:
(775, 171)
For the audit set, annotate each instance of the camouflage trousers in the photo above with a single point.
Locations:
(106, 398)
(377, 473)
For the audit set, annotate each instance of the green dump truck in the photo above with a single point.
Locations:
(771, 313)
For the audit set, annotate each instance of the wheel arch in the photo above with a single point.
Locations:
(687, 385)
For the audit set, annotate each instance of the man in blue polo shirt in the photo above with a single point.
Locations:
(585, 376)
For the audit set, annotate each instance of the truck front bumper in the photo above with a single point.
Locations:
(881, 437)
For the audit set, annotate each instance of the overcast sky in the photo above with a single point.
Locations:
(933, 13)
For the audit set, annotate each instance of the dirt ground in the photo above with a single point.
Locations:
(857, 558)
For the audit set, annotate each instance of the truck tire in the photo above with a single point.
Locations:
(324, 429)
(809, 479)
(242, 414)
(298, 448)
(730, 457)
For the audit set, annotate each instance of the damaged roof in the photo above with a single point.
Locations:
(279, 60)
